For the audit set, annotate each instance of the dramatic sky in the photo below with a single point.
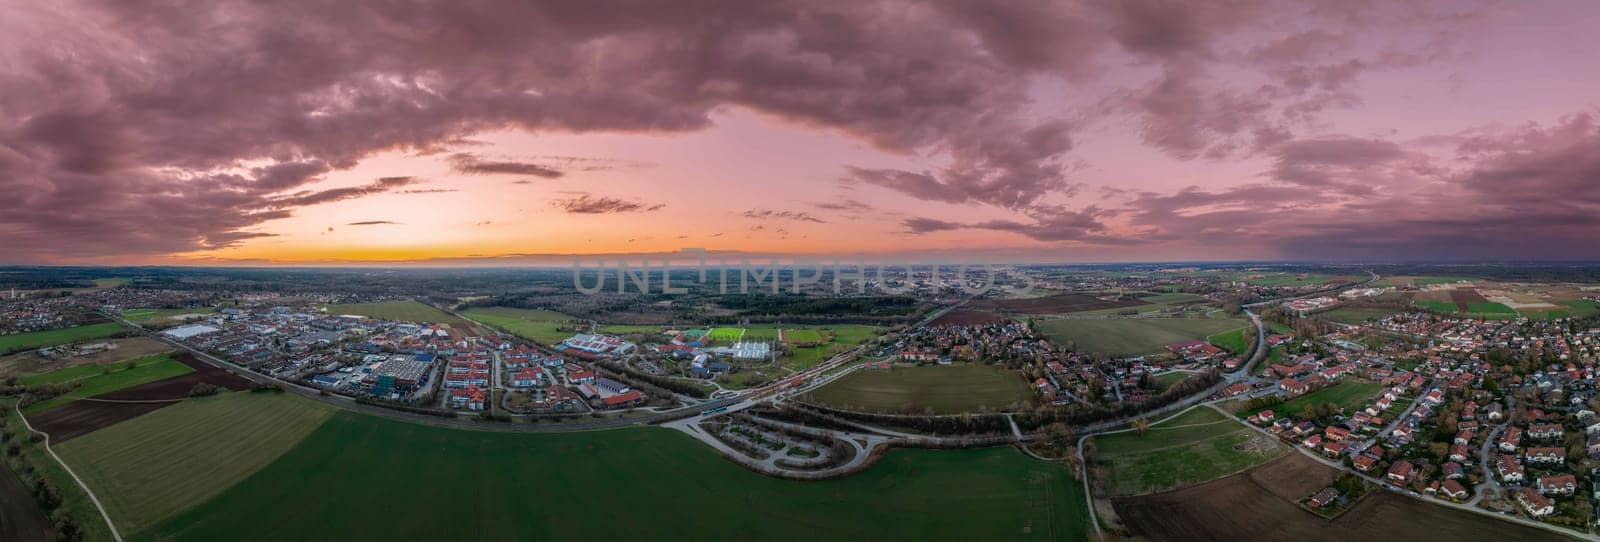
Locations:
(458, 131)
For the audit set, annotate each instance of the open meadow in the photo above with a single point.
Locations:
(1134, 336)
(540, 326)
(17, 342)
(943, 389)
(639, 484)
(1199, 445)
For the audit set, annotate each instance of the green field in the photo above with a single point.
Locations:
(363, 478)
(1355, 315)
(156, 465)
(726, 334)
(944, 389)
(1489, 307)
(539, 326)
(802, 335)
(1126, 337)
(1349, 394)
(81, 372)
(1571, 308)
(1417, 281)
(1234, 340)
(1199, 445)
(39, 339)
(624, 329)
(399, 311)
(144, 316)
(146, 370)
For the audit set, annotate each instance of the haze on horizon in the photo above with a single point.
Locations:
(303, 132)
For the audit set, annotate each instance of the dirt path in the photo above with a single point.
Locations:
(20, 518)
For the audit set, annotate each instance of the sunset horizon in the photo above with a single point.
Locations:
(1119, 131)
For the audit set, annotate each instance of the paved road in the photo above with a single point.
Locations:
(1486, 453)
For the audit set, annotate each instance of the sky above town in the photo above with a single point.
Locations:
(504, 133)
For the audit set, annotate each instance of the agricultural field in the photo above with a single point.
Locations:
(79, 418)
(1355, 315)
(540, 326)
(1349, 394)
(17, 342)
(635, 484)
(1261, 505)
(943, 389)
(145, 370)
(1199, 445)
(399, 311)
(156, 465)
(1126, 337)
(1057, 304)
(161, 316)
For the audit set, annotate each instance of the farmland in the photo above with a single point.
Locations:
(642, 484)
(26, 341)
(941, 389)
(1057, 304)
(1257, 505)
(1199, 445)
(1348, 395)
(148, 468)
(1133, 336)
(79, 418)
(147, 369)
(401, 311)
(540, 326)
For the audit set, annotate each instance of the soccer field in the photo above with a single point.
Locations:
(633, 484)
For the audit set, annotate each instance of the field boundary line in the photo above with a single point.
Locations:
(96, 500)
